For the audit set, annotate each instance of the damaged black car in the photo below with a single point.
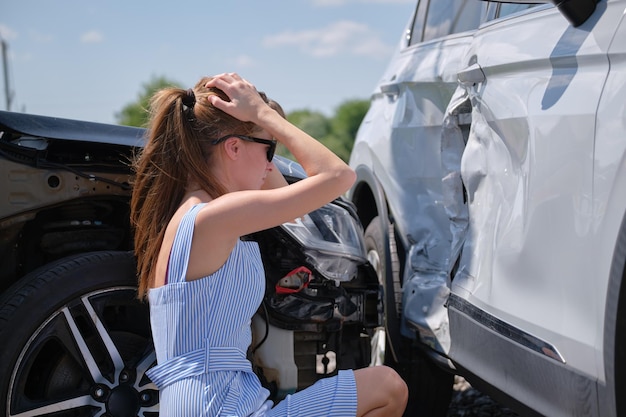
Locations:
(76, 339)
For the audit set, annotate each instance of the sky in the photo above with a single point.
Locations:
(88, 59)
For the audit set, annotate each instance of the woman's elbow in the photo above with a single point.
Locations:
(346, 177)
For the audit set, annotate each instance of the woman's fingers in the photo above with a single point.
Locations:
(244, 98)
(229, 81)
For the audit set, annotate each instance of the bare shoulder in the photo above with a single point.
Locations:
(211, 245)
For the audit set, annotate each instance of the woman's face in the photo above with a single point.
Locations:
(253, 161)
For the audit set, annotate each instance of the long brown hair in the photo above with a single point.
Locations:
(177, 152)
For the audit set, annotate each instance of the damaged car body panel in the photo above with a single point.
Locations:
(413, 97)
(511, 249)
(528, 169)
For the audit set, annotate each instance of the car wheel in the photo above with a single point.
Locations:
(373, 238)
(76, 341)
(430, 387)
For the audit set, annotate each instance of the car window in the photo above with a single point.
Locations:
(445, 17)
(417, 29)
(508, 8)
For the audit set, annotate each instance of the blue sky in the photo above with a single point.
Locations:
(87, 59)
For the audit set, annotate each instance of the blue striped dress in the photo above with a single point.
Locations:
(201, 331)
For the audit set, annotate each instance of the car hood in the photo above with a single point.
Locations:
(66, 129)
(77, 130)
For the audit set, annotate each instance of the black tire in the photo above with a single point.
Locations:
(430, 387)
(76, 341)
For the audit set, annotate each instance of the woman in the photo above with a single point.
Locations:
(203, 180)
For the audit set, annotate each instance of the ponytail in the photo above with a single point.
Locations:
(177, 151)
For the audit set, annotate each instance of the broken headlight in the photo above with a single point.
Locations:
(332, 241)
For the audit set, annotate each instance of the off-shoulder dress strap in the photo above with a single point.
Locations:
(179, 255)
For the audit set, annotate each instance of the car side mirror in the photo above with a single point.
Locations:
(576, 11)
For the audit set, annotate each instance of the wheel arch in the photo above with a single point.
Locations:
(371, 203)
(54, 232)
(368, 196)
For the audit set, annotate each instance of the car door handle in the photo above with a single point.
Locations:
(471, 75)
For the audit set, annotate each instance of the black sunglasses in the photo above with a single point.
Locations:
(271, 143)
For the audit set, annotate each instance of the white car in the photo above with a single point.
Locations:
(492, 184)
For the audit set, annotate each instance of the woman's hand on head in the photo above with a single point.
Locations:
(245, 102)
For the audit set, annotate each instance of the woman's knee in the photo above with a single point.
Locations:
(381, 391)
(384, 382)
(387, 375)
(395, 384)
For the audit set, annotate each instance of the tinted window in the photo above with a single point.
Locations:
(445, 17)
(507, 9)
(415, 36)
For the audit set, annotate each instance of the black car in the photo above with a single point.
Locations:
(76, 339)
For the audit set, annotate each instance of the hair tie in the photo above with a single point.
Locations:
(189, 99)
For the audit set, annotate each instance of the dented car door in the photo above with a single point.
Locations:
(519, 186)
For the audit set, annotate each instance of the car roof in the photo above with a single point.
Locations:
(67, 129)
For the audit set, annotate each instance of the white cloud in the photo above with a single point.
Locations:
(343, 37)
(92, 36)
(244, 61)
(7, 33)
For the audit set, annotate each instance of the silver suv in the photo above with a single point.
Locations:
(492, 185)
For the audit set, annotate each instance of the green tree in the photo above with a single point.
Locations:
(136, 113)
(348, 118)
(344, 126)
(312, 122)
(337, 133)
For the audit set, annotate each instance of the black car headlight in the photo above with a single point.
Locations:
(332, 241)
